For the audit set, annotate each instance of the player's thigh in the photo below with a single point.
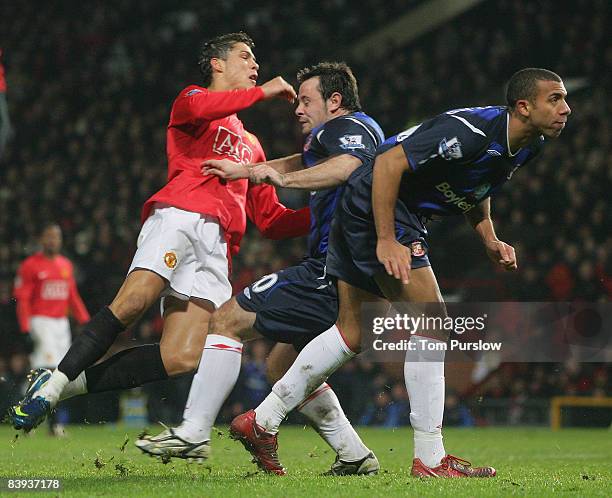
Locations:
(420, 296)
(293, 305)
(279, 360)
(231, 320)
(164, 258)
(185, 328)
(351, 300)
(139, 291)
(211, 270)
(422, 288)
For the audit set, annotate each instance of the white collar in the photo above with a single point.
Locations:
(508, 138)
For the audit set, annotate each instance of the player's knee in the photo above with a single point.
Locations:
(129, 306)
(190, 359)
(181, 362)
(228, 321)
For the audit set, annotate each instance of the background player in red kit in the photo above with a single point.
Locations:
(191, 228)
(46, 293)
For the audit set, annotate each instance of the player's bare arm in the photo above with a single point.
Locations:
(499, 252)
(388, 170)
(327, 174)
(230, 170)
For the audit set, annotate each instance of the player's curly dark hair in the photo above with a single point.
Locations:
(218, 48)
(523, 84)
(334, 77)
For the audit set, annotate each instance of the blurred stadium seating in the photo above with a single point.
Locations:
(89, 95)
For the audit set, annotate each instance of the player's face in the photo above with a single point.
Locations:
(240, 67)
(549, 112)
(312, 110)
(51, 240)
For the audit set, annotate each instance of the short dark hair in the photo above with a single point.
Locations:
(523, 84)
(334, 77)
(218, 48)
(46, 225)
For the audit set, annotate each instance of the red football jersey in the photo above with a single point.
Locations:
(203, 125)
(46, 287)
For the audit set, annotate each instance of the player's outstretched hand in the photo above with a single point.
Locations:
(502, 254)
(224, 168)
(395, 257)
(278, 87)
(262, 173)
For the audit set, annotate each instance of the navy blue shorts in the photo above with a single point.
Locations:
(351, 254)
(294, 305)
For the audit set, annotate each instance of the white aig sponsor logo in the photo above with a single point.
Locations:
(231, 144)
(54, 290)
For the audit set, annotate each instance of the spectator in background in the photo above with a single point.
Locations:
(387, 409)
(5, 122)
(46, 292)
(456, 413)
(96, 157)
(255, 386)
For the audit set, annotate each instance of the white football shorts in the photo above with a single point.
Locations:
(188, 250)
(52, 340)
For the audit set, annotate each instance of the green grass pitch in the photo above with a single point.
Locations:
(529, 462)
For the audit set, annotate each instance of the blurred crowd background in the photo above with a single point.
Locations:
(89, 89)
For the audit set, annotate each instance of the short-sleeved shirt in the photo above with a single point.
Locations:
(356, 134)
(457, 159)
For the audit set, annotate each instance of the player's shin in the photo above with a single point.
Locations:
(127, 369)
(424, 377)
(323, 410)
(88, 347)
(216, 377)
(317, 361)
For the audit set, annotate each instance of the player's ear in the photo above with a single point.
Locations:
(217, 64)
(523, 108)
(334, 102)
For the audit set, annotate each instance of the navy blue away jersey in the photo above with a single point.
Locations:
(457, 159)
(356, 134)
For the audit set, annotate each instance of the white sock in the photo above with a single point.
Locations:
(424, 377)
(317, 361)
(216, 377)
(75, 387)
(323, 410)
(52, 389)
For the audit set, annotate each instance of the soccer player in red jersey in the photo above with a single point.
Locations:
(46, 292)
(192, 227)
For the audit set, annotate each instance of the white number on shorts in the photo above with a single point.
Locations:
(264, 283)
